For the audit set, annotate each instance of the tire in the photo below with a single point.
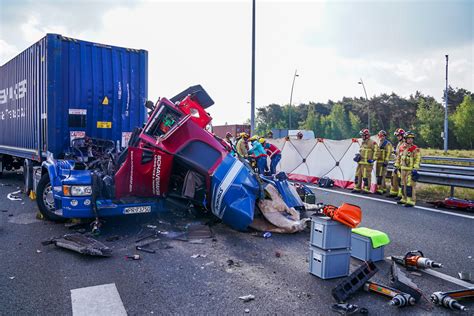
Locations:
(45, 200)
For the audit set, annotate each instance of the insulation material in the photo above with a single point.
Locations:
(277, 216)
(309, 160)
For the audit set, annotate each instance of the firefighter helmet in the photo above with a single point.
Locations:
(261, 140)
(244, 135)
(382, 133)
(364, 132)
(399, 132)
(254, 137)
(409, 134)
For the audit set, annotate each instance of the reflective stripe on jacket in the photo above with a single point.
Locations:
(400, 147)
(385, 151)
(410, 158)
(242, 148)
(271, 150)
(368, 151)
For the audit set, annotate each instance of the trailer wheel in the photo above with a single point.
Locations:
(45, 199)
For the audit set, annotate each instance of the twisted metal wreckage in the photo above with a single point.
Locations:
(172, 157)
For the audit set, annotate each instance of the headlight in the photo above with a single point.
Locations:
(77, 190)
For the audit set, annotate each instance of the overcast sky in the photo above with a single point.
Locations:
(394, 46)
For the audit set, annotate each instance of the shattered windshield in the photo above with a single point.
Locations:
(163, 120)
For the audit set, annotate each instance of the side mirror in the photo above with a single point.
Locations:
(150, 105)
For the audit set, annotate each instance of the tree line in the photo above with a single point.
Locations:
(345, 118)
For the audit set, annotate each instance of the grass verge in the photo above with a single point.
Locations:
(432, 192)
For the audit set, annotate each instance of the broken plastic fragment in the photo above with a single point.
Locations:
(247, 298)
(81, 244)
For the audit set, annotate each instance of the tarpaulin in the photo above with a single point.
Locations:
(308, 160)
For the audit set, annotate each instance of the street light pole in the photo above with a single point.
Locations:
(446, 110)
(367, 99)
(252, 106)
(291, 98)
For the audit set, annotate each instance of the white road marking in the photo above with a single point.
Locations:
(391, 202)
(97, 300)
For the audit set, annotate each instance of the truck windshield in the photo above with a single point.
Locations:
(163, 120)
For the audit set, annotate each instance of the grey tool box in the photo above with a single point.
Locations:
(328, 264)
(362, 249)
(329, 234)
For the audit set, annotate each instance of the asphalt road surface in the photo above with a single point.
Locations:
(46, 280)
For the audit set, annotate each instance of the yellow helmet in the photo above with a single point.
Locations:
(261, 140)
(254, 137)
(244, 135)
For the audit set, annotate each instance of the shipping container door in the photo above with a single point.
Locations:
(99, 90)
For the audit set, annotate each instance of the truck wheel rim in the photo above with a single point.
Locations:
(48, 197)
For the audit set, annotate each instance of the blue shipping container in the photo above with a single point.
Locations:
(62, 88)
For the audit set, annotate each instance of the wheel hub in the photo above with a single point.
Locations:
(48, 197)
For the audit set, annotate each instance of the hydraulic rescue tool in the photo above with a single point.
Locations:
(398, 298)
(414, 260)
(448, 299)
(347, 214)
(401, 282)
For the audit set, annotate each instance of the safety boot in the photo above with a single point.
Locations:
(409, 203)
(402, 201)
(355, 190)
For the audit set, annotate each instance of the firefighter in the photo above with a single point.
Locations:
(242, 146)
(409, 162)
(396, 188)
(273, 152)
(368, 152)
(228, 140)
(259, 153)
(299, 135)
(384, 152)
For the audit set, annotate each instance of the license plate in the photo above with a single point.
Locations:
(137, 209)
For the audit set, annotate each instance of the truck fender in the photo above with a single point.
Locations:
(50, 168)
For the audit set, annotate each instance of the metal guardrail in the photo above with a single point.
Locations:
(449, 159)
(449, 175)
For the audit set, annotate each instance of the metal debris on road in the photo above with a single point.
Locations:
(277, 254)
(145, 249)
(247, 310)
(4, 211)
(232, 263)
(133, 257)
(198, 231)
(13, 196)
(38, 251)
(196, 241)
(81, 244)
(466, 276)
(198, 256)
(345, 308)
(247, 298)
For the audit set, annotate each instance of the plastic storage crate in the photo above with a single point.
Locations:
(328, 264)
(362, 249)
(329, 234)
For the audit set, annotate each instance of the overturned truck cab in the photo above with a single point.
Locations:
(172, 157)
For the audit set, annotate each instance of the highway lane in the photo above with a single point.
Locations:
(172, 282)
